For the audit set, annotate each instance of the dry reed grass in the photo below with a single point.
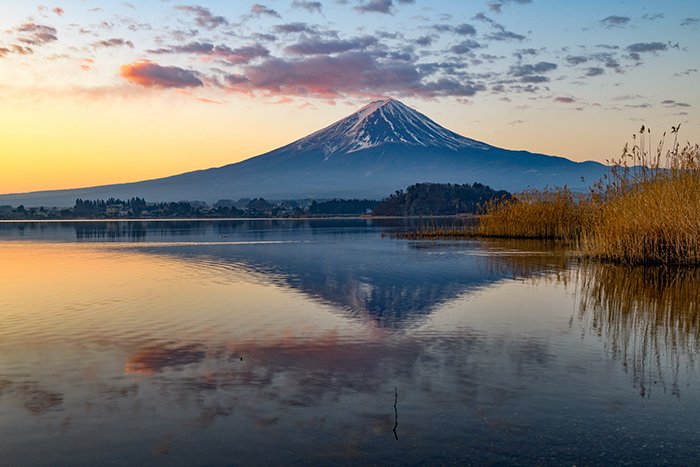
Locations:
(646, 212)
(548, 214)
(650, 215)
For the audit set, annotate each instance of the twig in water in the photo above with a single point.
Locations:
(396, 413)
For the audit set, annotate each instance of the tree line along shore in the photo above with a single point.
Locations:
(422, 199)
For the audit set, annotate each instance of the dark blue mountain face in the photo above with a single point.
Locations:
(383, 147)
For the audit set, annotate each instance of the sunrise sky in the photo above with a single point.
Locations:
(96, 92)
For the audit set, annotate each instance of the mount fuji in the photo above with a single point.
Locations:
(383, 147)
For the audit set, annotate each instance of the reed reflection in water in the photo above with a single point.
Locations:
(648, 318)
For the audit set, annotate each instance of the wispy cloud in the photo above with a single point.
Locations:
(653, 16)
(21, 50)
(261, 10)
(500, 32)
(464, 29)
(497, 5)
(114, 42)
(424, 41)
(644, 47)
(36, 34)
(465, 47)
(232, 56)
(203, 16)
(504, 35)
(576, 59)
(615, 21)
(379, 6)
(532, 73)
(673, 103)
(311, 7)
(240, 55)
(608, 60)
(594, 71)
(686, 72)
(298, 27)
(375, 6)
(318, 46)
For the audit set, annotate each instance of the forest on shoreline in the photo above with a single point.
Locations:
(422, 199)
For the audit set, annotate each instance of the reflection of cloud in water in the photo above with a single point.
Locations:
(155, 358)
(278, 378)
(33, 397)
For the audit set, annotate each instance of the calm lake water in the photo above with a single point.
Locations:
(326, 342)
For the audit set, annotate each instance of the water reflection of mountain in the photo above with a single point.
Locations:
(390, 282)
(343, 262)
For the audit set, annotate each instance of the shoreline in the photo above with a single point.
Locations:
(200, 219)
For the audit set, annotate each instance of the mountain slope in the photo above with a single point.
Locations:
(383, 147)
(382, 122)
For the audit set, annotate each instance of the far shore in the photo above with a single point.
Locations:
(199, 219)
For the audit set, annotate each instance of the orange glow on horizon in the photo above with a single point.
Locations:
(81, 141)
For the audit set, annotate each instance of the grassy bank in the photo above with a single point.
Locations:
(647, 211)
(654, 222)
(546, 214)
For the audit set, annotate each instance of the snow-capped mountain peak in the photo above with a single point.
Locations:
(383, 147)
(382, 122)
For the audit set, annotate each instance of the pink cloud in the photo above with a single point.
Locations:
(150, 74)
(352, 73)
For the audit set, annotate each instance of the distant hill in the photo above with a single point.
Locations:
(383, 147)
(438, 199)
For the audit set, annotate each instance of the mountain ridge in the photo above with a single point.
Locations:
(382, 147)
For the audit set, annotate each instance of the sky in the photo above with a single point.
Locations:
(97, 92)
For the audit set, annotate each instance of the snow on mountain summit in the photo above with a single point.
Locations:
(381, 122)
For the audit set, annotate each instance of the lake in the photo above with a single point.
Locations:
(329, 342)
